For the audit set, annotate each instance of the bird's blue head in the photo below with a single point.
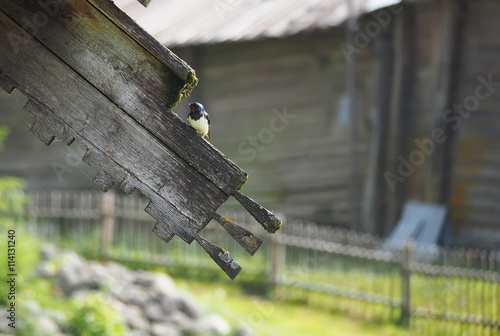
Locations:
(196, 107)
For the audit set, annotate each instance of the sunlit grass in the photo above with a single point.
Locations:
(268, 317)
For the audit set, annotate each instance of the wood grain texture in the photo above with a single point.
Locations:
(269, 221)
(181, 68)
(245, 238)
(131, 77)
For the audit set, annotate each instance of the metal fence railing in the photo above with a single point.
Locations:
(446, 291)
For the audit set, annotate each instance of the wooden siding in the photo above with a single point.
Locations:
(475, 201)
(304, 170)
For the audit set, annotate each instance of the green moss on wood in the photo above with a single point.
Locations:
(182, 89)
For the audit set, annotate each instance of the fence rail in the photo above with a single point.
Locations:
(437, 290)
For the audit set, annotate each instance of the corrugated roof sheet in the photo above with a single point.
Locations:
(184, 22)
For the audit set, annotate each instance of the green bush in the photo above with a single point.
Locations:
(12, 198)
(96, 317)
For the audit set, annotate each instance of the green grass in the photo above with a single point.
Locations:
(267, 317)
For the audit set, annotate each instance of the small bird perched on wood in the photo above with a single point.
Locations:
(199, 119)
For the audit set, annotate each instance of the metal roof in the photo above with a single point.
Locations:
(188, 22)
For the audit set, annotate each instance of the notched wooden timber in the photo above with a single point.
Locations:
(6, 84)
(111, 101)
(245, 238)
(269, 221)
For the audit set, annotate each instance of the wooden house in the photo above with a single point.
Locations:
(341, 121)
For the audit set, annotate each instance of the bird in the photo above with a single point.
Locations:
(199, 119)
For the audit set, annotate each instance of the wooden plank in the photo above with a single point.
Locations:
(131, 77)
(400, 111)
(374, 185)
(98, 124)
(122, 20)
(439, 180)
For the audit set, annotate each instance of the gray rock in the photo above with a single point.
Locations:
(243, 331)
(187, 304)
(97, 276)
(179, 319)
(120, 272)
(143, 278)
(46, 326)
(168, 305)
(136, 319)
(212, 324)
(57, 316)
(33, 307)
(137, 296)
(154, 312)
(138, 333)
(45, 269)
(3, 317)
(73, 260)
(69, 279)
(48, 252)
(163, 286)
(164, 329)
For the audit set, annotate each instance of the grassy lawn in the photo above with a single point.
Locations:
(268, 318)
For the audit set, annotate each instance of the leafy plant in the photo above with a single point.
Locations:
(96, 317)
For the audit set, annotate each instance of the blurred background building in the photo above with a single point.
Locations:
(336, 120)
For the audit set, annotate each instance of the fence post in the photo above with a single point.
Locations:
(107, 209)
(407, 254)
(278, 255)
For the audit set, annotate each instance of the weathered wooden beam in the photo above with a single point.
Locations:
(134, 31)
(99, 124)
(245, 238)
(269, 221)
(130, 76)
(113, 100)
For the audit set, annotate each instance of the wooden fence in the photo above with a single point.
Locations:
(443, 291)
